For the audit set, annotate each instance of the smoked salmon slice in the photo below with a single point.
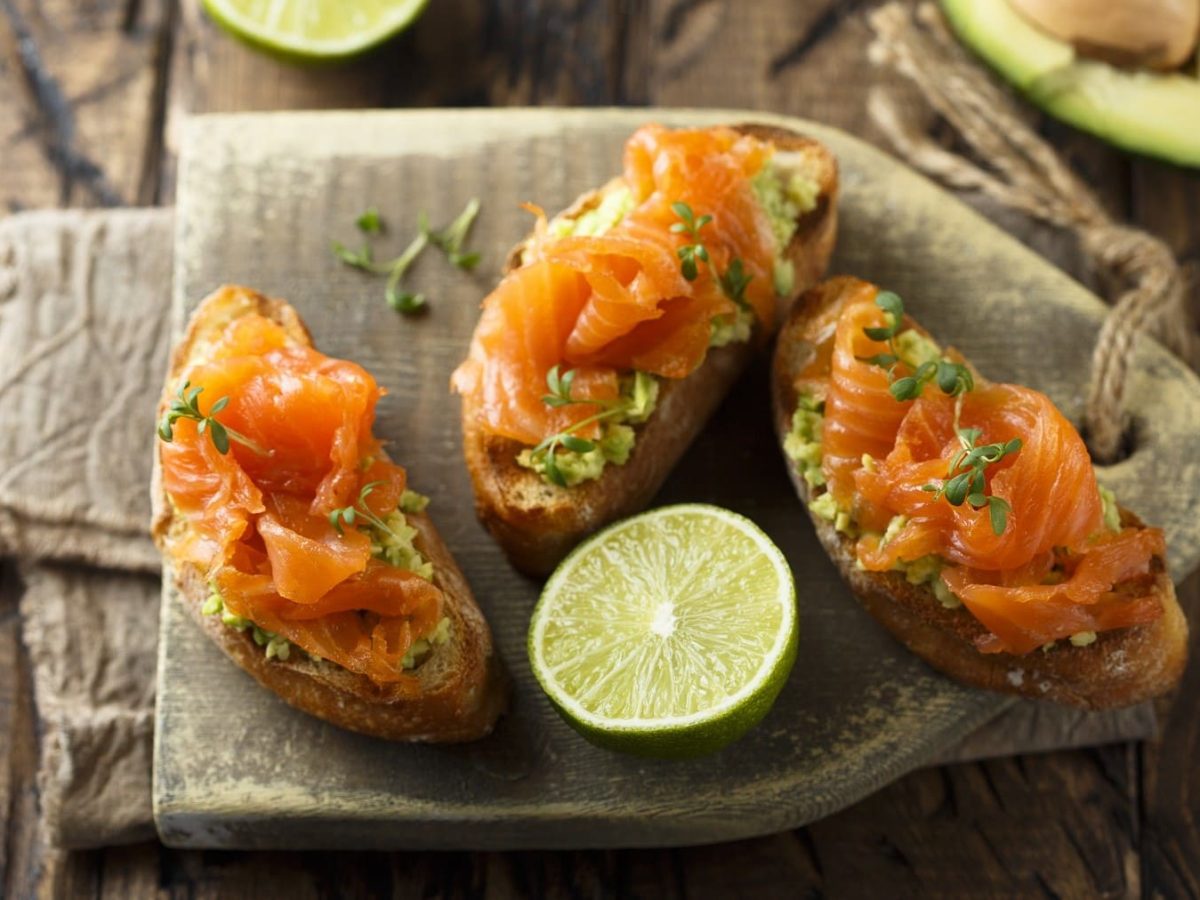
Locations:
(608, 303)
(263, 516)
(1049, 567)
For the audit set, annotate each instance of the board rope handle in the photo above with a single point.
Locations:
(1025, 173)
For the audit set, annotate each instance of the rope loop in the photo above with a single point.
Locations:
(1025, 173)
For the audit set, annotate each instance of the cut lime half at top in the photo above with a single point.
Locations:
(315, 30)
(668, 634)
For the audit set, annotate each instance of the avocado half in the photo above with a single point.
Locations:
(1147, 112)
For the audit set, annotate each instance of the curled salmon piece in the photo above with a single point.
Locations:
(294, 542)
(259, 514)
(605, 304)
(1050, 568)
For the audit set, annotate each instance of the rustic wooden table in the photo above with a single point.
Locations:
(91, 93)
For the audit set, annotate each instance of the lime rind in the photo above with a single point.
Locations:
(298, 46)
(737, 576)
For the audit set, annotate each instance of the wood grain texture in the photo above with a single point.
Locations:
(807, 58)
(81, 101)
(255, 194)
(1165, 200)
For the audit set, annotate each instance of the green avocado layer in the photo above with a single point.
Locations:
(1148, 112)
(396, 548)
(638, 399)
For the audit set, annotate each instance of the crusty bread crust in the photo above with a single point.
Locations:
(1120, 668)
(537, 523)
(462, 688)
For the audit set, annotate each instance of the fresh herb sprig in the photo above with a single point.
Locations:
(186, 405)
(370, 222)
(965, 479)
(449, 240)
(690, 225)
(952, 378)
(734, 282)
(559, 385)
(402, 301)
(349, 516)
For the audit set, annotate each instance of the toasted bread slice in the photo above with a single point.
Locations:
(462, 687)
(1121, 667)
(537, 523)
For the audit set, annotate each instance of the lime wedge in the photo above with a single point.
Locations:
(314, 30)
(669, 634)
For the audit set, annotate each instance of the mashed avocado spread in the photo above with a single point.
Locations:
(802, 445)
(785, 192)
(614, 205)
(638, 398)
(1112, 513)
(396, 548)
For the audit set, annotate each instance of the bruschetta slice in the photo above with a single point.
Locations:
(966, 514)
(295, 541)
(621, 324)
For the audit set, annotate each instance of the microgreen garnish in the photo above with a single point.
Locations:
(690, 225)
(952, 378)
(370, 221)
(400, 300)
(560, 387)
(734, 283)
(965, 480)
(186, 405)
(449, 240)
(559, 384)
(362, 258)
(349, 515)
(405, 302)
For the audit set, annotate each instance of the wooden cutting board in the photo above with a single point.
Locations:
(260, 198)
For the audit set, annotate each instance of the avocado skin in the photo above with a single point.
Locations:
(1157, 114)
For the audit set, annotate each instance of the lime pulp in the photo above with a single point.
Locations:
(668, 634)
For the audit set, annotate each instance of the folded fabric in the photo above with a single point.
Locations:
(92, 639)
(84, 335)
(84, 309)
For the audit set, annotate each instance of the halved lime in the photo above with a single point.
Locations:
(314, 30)
(668, 634)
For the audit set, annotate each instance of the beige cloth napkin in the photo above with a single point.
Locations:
(84, 328)
(84, 320)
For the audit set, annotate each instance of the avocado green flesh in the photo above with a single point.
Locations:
(1147, 112)
(639, 397)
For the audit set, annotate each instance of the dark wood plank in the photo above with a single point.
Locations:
(26, 868)
(12, 722)
(459, 53)
(82, 91)
(1165, 200)
(1062, 825)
